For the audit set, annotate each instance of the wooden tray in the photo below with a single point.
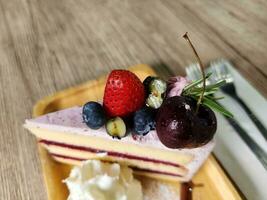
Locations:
(216, 184)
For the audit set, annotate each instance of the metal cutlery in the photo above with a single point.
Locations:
(256, 149)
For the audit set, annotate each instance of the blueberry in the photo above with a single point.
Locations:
(93, 115)
(144, 121)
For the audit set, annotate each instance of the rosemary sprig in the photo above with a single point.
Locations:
(197, 82)
(217, 85)
(215, 106)
(194, 90)
(216, 98)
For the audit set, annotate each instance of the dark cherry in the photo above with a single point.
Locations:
(179, 126)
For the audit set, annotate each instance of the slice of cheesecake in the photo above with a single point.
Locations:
(70, 141)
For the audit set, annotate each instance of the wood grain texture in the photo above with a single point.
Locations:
(50, 45)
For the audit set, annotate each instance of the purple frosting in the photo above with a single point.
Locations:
(176, 85)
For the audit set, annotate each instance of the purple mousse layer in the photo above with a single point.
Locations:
(70, 121)
(109, 153)
(134, 168)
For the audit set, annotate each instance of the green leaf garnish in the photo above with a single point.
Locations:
(216, 98)
(215, 106)
(195, 83)
(216, 85)
(194, 90)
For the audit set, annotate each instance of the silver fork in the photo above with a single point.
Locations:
(193, 73)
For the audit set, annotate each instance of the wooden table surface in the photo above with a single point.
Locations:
(46, 46)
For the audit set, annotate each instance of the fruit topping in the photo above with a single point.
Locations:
(146, 83)
(180, 111)
(144, 121)
(156, 91)
(124, 93)
(179, 126)
(116, 127)
(154, 101)
(157, 86)
(93, 115)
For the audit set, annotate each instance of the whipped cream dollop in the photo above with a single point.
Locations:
(95, 180)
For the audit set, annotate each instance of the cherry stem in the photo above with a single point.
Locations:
(185, 36)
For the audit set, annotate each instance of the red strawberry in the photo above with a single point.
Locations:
(124, 93)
